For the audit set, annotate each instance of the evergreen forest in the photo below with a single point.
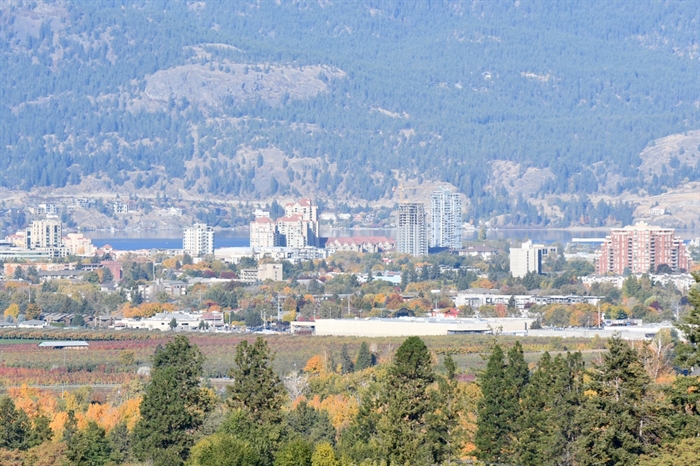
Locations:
(251, 100)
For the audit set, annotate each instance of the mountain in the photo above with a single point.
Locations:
(539, 112)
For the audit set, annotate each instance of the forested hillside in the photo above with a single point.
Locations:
(343, 99)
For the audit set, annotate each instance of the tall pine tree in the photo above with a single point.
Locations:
(617, 423)
(256, 389)
(551, 402)
(364, 357)
(407, 426)
(688, 352)
(493, 420)
(174, 404)
(499, 410)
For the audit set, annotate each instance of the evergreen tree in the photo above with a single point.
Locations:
(405, 277)
(683, 399)
(89, 447)
(41, 431)
(346, 364)
(450, 430)
(688, 352)
(14, 425)
(312, 425)
(551, 401)
(364, 357)
(256, 389)
(119, 439)
(499, 409)
(173, 405)
(407, 424)
(617, 423)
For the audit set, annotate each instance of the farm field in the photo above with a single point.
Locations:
(116, 357)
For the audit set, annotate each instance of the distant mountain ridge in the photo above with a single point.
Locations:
(535, 110)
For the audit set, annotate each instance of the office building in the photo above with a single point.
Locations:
(445, 219)
(412, 231)
(641, 248)
(198, 240)
(270, 272)
(528, 258)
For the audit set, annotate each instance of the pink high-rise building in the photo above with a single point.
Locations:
(640, 249)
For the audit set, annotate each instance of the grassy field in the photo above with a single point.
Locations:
(116, 358)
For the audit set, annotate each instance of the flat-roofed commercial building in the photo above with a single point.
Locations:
(412, 326)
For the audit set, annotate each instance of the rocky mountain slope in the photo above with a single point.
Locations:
(536, 111)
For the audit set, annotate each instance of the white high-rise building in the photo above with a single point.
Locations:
(528, 258)
(44, 234)
(198, 240)
(307, 211)
(412, 231)
(445, 219)
(263, 233)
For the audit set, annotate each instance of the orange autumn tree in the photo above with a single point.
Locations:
(146, 309)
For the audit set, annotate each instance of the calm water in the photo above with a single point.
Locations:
(172, 239)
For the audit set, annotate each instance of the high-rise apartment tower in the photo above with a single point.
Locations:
(412, 231)
(640, 249)
(445, 219)
(198, 240)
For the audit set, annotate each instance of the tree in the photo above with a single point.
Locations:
(41, 431)
(683, 398)
(294, 453)
(173, 405)
(617, 423)
(107, 275)
(223, 450)
(89, 447)
(346, 364)
(12, 311)
(121, 443)
(136, 298)
(32, 311)
(312, 425)
(551, 401)
(256, 389)
(683, 453)
(688, 352)
(173, 323)
(450, 409)
(324, 455)
(14, 425)
(252, 318)
(364, 357)
(407, 426)
(77, 321)
(499, 409)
